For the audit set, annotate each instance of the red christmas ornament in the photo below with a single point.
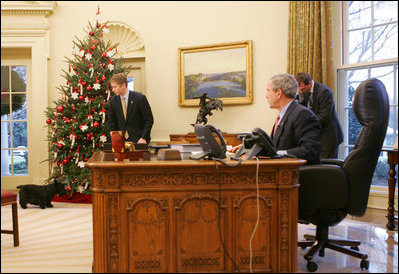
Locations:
(68, 188)
(93, 110)
(81, 97)
(48, 121)
(88, 136)
(104, 54)
(70, 151)
(69, 157)
(98, 25)
(89, 88)
(75, 67)
(60, 145)
(67, 120)
(93, 47)
(65, 161)
(91, 33)
(73, 108)
(85, 159)
(60, 108)
(58, 163)
(96, 124)
(92, 99)
(103, 78)
(84, 83)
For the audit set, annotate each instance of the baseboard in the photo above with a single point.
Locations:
(378, 198)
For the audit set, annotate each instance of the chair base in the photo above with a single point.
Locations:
(320, 242)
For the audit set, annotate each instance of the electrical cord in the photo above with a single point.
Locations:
(220, 205)
(257, 219)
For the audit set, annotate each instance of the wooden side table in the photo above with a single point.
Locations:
(392, 161)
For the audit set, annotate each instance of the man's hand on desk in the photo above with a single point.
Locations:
(235, 148)
(142, 141)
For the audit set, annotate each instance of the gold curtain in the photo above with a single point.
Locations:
(310, 40)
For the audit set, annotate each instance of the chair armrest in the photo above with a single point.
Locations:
(322, 186)
(337, 162)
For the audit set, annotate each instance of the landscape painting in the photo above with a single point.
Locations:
(222, 71)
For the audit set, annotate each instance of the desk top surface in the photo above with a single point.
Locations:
(104, 159)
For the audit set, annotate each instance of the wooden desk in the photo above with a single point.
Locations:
(392, 161)
(230, 138)
(162, 216)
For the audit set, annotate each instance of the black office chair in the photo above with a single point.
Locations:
(331, 190)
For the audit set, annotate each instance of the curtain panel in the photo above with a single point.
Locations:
(310, 40)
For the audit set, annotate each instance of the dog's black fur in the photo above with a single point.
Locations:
(40, 195)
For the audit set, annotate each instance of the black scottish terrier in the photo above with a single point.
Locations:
(40, 195)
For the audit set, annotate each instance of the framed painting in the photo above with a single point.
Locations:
(222, 71)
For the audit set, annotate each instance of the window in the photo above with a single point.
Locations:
(14, 141)
(370, 49)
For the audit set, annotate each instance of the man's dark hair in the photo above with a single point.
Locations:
(119, 78)
(303, 77)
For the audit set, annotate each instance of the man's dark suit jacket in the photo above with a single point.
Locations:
(299, 133)
(139, 119)
(323, 107)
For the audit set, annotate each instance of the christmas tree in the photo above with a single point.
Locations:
(77, 124)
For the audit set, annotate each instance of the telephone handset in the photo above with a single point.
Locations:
(209, 144)
(257, 143)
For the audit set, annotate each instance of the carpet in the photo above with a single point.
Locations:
(60, 240)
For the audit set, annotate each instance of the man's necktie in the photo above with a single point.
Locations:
(307, 100)
(124, 114)
(276, 125)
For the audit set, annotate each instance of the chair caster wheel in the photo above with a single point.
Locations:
(311, 266)
(355, 247)
(364, 264)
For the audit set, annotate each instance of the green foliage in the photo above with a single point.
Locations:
(80, 128)
(18, 84)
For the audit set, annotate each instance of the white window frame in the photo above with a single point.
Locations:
(378, 194)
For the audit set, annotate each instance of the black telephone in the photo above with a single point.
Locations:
(257, 143)
(209, 144)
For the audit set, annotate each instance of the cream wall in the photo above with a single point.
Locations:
(166, 26)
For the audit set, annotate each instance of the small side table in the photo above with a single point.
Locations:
(392, 161)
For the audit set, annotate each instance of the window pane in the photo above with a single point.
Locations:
(386, 42)
(20, 130)
(5, 81)
(130, 83)
(355, 77)
(385, 74)
(359, 46)
(5, 163)
(18, 78)
(380, 177)
(21, 164)
(5, 106)
(359, 14)
(354, 127)
(19, 107)
(385, 11)
(5, 135)
(392, 130)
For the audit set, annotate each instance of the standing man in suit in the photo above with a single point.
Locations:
(129, 111)
(297, 131)
(319, 98)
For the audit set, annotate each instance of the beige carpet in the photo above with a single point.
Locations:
(52, 240)
(59, 240)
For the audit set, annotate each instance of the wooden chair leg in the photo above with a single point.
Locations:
(15, 224)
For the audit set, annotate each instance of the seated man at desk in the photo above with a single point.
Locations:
(297, 131)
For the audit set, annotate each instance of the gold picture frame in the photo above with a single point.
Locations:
(223, 71)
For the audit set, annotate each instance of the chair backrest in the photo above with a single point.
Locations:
(371, 108)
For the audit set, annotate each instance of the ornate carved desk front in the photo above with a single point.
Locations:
(163, 216)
